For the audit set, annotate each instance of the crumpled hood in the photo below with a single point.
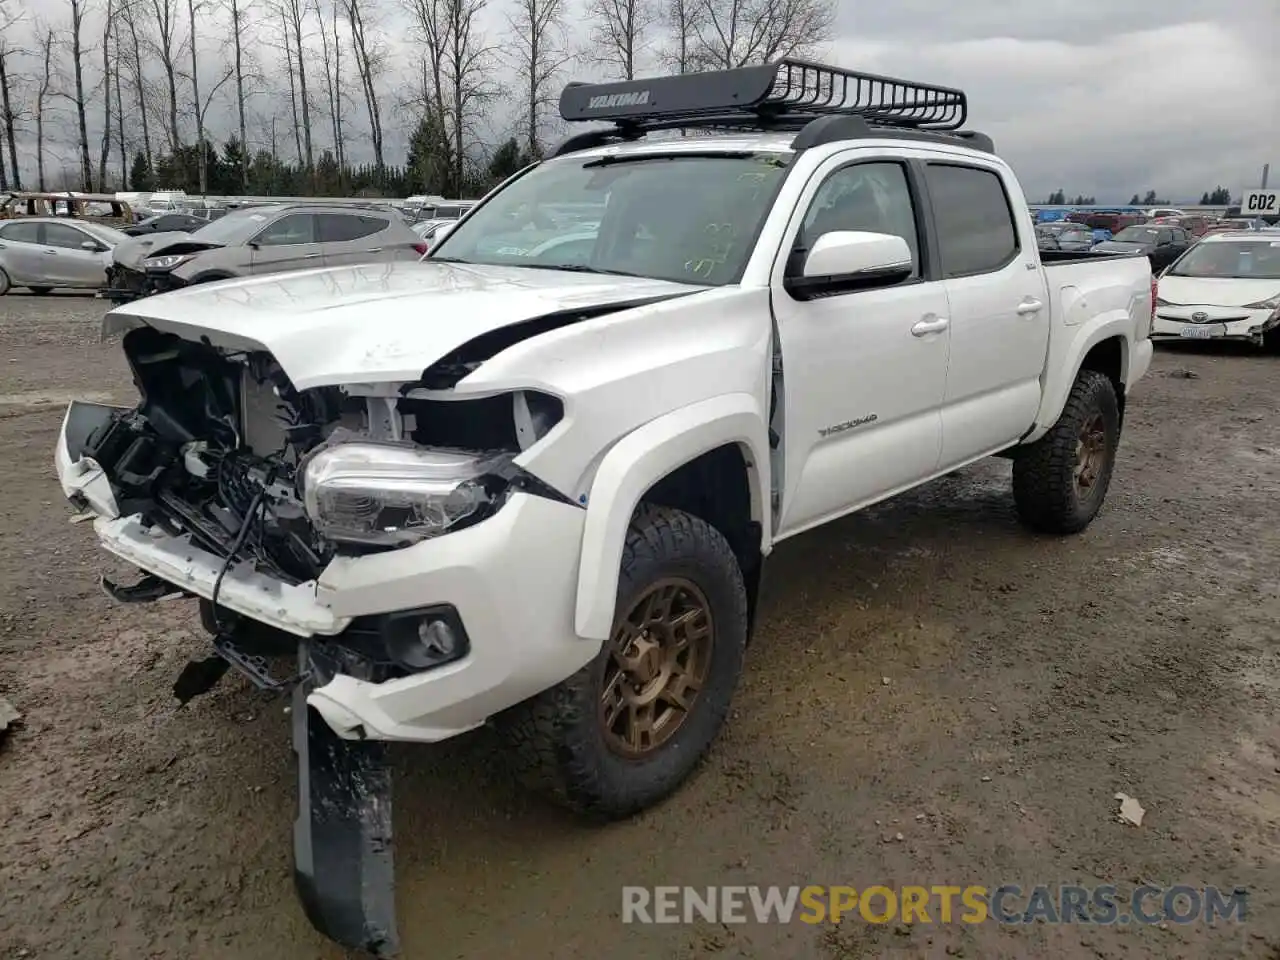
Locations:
(130, 253)
(376, 323)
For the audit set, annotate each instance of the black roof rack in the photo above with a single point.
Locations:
(787, 95)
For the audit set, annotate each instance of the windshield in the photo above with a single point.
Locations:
(690, 218)
(108, 235)
(1238, 260)
(1136, 235)
(236, 227)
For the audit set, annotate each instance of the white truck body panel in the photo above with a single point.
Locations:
(880, 390)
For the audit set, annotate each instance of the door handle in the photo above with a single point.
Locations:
(1029, 306)
(926, 327)
(51, 253)
(311, 256)
(374, 250)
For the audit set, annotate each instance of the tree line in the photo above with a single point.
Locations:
(298, 96)
(1220, 196)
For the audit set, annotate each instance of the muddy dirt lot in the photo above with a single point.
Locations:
(1028, 681)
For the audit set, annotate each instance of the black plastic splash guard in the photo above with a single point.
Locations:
(344, 869)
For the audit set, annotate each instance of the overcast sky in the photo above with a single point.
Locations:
(1104, 97)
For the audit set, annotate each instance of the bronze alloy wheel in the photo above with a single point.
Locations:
(659, 657)
(1091, 455)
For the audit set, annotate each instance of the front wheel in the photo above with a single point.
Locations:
(627, 729)
(1060, 481)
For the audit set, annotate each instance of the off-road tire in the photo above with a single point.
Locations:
(556, 740)
(5, 285)
(41, 291)
(1044, 483)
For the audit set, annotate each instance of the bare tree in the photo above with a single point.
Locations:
(120, 140)
(78, 10)
(166, 46)
(371, 58)
(540, 52)
(238, 9)
(199, 107)
(680, 18)
(733, 33)
(468, 75)
(138, 72)
(43, 92)
(294, 14)
(293, 90)
(331, 60)
(431, 31)
(6, 106)
(620, 32)
(108, 22)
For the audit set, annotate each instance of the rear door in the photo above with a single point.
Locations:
(21, 254)
(999, 309)
(70, 262)
(351, 238)
(287, 243)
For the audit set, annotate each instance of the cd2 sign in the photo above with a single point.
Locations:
(1260, 203)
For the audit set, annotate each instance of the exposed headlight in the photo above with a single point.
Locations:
(1272, 303)
(166, 262)
(389, 494)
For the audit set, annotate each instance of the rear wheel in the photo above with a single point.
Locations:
(627, 729)
(1060, 481)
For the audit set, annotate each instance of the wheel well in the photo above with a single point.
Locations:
(1107, 358)
(716, 487)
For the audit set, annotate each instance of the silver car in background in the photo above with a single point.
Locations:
(272, 238)
(48, 253)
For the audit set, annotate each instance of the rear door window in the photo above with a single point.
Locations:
(21, 232)
(345, 227)
(975, 222)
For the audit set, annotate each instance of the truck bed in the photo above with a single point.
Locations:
(1055, 258)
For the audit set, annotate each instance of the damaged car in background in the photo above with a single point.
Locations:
(531, 481)
(271, 238)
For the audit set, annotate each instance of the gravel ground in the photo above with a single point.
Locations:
(1029, 680)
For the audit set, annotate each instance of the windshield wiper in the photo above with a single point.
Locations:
(610, 161)
(582, 268)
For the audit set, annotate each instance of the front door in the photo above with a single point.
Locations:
(863, 372)
(70, 264)
(286, 244)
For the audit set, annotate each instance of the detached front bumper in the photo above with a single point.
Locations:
(1213, 323)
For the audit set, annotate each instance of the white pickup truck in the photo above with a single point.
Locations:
(531, 481)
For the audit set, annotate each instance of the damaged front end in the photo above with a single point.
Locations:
(228, 485)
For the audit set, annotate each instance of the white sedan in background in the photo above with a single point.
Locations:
(44, 253)
(1226, 287)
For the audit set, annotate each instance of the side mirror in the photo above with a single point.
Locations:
(440, 233)
(847, 260)
(91, 246)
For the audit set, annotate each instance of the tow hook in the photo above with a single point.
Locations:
(344, 869)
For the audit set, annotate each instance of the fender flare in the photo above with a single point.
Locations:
(1117, 325)
(638, 461)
